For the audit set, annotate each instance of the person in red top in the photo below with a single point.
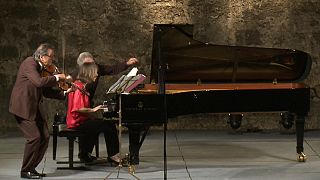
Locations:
(81, 117)
(77, 102)
(103, 70)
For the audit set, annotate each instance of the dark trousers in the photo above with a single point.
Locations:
(37, 137)
(92, 128)
(137, 134)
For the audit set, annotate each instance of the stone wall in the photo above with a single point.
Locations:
(113, 30)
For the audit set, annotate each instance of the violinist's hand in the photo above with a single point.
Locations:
(69, 78)
(61, 77)
(71, 89)
(97, 108)
(132, 61)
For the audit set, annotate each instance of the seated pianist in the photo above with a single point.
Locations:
(80, 117)
(103, 70)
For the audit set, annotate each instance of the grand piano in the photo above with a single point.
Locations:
(189, 76)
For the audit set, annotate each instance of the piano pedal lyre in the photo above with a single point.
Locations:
(199, 82)
(302, 157)
(275, 81)
(235, 120)
(287, 119)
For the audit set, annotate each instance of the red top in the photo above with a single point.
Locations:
(77, 100)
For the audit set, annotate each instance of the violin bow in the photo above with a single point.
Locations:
(82, 90)
(63, 44)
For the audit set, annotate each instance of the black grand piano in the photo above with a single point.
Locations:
(188, 76)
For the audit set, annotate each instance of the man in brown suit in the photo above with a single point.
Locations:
(24, 104)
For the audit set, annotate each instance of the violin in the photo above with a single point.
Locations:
(63, 85)
(51, 70)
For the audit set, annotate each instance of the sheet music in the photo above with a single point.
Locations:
(115, 86)
(128, 82)
(134, 82)
(133, 72)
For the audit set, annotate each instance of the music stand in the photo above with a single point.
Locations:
(124, 85)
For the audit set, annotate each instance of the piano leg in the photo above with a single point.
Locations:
(137, 134)
(300, 136)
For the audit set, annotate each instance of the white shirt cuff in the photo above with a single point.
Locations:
(57, 77)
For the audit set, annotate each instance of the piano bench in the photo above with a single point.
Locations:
(61, 130)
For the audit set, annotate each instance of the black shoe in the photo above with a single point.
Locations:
(134, 160)
(85, 159)
(39, 174)
(93, 157)
(30, 175)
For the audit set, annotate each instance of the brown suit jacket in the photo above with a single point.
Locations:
(28, 89)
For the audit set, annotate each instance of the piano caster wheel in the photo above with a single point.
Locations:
(302, 157)
(131, 169)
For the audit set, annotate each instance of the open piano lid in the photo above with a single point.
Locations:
(191, 61)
